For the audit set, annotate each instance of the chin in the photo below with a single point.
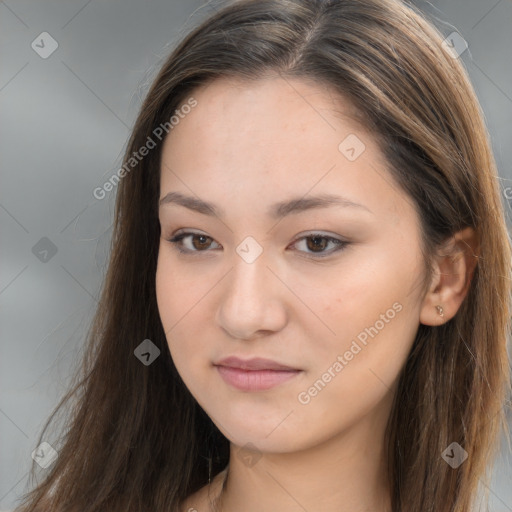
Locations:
(269, 430)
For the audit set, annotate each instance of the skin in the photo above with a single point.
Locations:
(244, 147)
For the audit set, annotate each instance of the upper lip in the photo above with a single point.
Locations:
(256, 363)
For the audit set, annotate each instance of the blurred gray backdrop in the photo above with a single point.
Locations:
(72, 77)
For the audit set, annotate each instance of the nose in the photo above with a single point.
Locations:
(252, 302)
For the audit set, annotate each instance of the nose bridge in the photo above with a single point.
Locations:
(248, 286)
(251, 300)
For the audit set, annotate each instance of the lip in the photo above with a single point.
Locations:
(255, 374)
(255, 363)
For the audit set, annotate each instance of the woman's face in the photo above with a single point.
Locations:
(306, 254)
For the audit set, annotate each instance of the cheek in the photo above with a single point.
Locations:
(179, 290)
(349, 380)
(182, 292)
(180, 301)
(373, 318)
(351, 297)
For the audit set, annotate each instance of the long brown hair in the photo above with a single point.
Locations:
(135, 439)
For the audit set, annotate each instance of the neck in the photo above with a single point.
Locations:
(346, 473)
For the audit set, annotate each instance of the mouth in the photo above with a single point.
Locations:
(256, 374)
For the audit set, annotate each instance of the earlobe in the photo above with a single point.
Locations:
(455, 265)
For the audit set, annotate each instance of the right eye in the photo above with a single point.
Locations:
(189, 242)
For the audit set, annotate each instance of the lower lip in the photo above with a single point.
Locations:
(255, 380)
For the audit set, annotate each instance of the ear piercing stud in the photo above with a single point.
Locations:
(440, 310)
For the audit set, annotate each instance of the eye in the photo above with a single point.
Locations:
(188, 242)
(315, 244)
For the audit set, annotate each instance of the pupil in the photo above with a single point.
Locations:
(202, 242)
(318, 242)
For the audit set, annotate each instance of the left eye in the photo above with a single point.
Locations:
(316, 244)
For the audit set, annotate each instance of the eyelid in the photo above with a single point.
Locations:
(179, 235)
(340, 242)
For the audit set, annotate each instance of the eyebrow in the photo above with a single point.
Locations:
(276, 211)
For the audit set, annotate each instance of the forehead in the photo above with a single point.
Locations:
(273, 102)
(257, 142)
(272, 123)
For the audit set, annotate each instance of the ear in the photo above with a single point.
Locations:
(454, 267)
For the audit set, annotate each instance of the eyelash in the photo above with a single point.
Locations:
(341, 244)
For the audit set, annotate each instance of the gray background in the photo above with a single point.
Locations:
(64, 124)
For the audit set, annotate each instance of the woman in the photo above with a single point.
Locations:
(307, 301)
